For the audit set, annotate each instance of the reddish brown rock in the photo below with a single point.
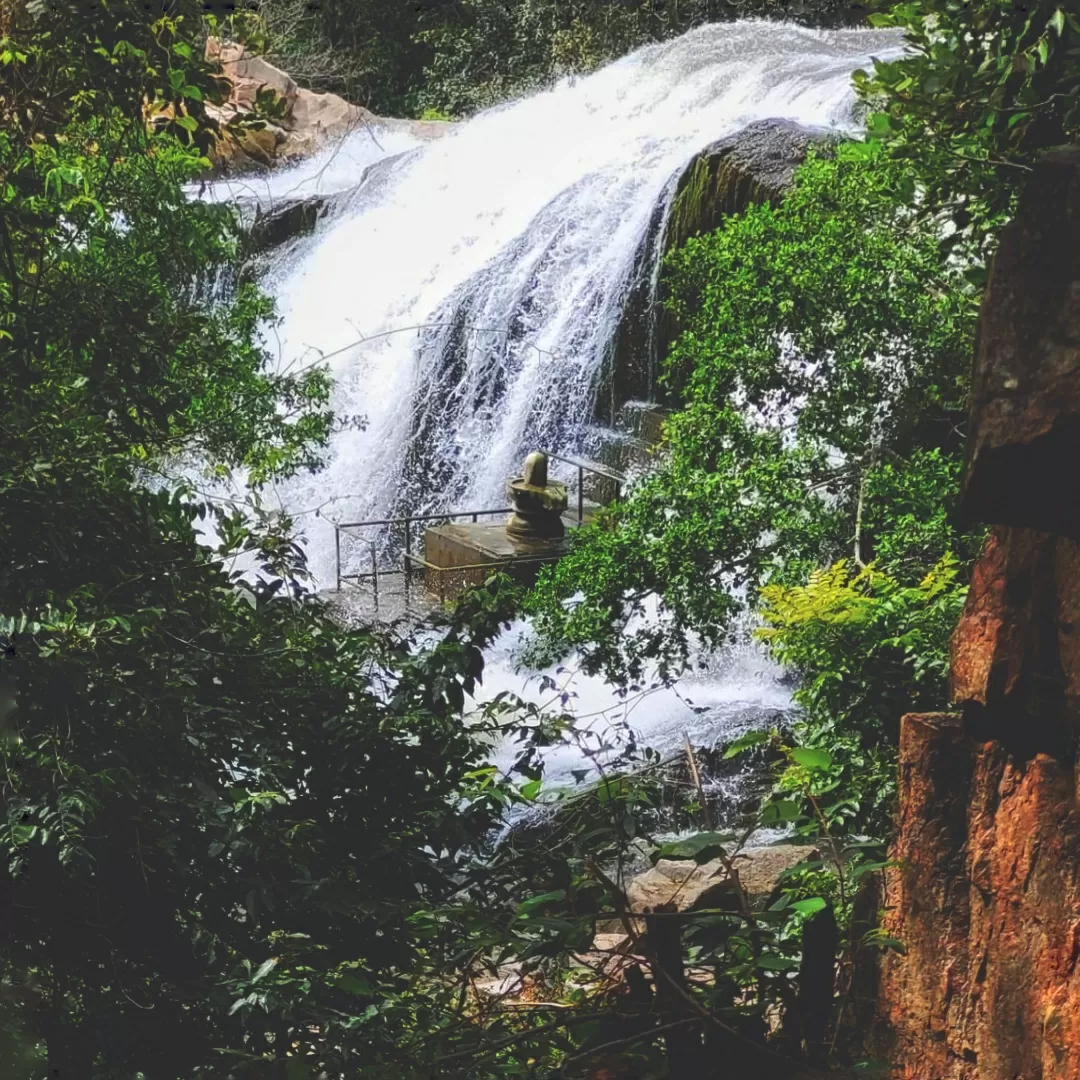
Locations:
(987, 903)
(986, 897)
(1025, 408)
(1016, 651)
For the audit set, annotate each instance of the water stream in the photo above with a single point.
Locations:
(467, 295)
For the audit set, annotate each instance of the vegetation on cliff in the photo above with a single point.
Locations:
(985, 89)
(817, 428)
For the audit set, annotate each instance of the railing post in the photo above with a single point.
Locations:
(375, 574)
(580, 495)
(337, 548)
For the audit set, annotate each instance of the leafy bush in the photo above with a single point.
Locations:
(984, 88)
(225, 818)
(821, 371)
(868, 650)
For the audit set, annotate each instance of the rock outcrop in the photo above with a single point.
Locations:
(691, 887)
(987, 895)
(755, 165)
(1026, 385)
(296, 122)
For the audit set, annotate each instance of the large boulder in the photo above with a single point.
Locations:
(754, 165)
(249, 73)
(302, 122)
(691, 886)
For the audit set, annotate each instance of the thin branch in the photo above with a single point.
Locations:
(695, 775)
(859, 523)
(519, 1037)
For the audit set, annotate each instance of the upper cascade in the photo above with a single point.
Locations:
(469, 302)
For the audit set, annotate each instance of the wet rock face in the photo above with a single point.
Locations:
(755, 165)
(987, 895)
(1026, 383)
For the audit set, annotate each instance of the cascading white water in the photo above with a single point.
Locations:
(467, 294)
(466, 303)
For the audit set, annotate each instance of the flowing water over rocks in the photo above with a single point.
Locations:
(468, 293)
(468, 304)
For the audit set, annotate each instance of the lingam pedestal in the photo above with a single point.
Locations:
(459, 556)
(538, 504)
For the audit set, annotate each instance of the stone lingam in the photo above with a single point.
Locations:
(539, 504)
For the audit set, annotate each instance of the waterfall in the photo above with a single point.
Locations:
(467, 302)
(467, 294)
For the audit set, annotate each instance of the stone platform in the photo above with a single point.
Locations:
(460, 556)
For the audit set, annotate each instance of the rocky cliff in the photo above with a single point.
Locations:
(295, 122)
(755, 165)
(987, 896)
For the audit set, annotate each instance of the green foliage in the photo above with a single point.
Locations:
(229, 825)
(113, 346)
(223, 808)
(821, 367)
(240, 838)
(985, 88)
(868, 650)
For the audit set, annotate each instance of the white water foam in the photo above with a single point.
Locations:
(466, 299)
(518, 234)
(336, 168)
(737, 689)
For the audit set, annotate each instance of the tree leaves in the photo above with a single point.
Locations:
(809, 906)
(788, 436)
(745, 742)
(701, 847)
(983, 89)
(205, 768)
(265, 968)
(811, 759)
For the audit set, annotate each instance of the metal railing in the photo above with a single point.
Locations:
(594, 470)
(412, 561)
(407, 522)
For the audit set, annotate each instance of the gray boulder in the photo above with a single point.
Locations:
(755, 165)
(691, 887)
